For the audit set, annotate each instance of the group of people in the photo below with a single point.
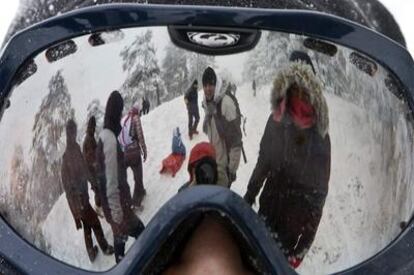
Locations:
(103, 163)
(294, 154)
(293, 162)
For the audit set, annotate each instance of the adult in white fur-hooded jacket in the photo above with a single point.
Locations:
(222, 126)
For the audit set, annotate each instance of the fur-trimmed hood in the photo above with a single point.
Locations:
(302, 74)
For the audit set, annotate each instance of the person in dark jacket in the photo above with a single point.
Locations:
(254, 87)
(145, 106)
(294, 160)
(112, 178)
(89, 153)
(191, 100)
(75, 176)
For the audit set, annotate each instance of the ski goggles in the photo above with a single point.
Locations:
(350, 159)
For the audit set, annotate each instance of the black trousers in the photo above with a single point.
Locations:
(139, 190)
(193, 119)
(90, 222)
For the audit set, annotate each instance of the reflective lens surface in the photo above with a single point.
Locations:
(103, 129)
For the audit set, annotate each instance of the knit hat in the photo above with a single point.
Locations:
(209, 77)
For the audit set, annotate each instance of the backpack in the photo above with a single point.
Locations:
(127, 137)
(230, 131)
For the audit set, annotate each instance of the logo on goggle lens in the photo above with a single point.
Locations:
(214, 40)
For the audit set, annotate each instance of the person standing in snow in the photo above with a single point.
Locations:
(112, 178)
(202, 165)
(75, 176)
(222, 126)
(294, 159)
(191, 100)
(145, 106)
(89, 153)
(254, 87)
(133, 145)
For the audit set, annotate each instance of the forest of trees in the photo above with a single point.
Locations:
(36, 185)
(159, 81)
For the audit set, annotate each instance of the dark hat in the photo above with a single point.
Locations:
(113, 113)
(209, 77)
(206, 171)
(301, 57)
(195, 82)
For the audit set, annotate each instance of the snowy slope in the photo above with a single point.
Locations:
(362, 211)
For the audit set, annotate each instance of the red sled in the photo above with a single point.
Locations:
(172, 164)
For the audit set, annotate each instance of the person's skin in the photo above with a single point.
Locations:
(209, 91)
(210, 250)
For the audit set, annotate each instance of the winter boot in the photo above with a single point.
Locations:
(190, 135)
(195, 132)
(92, 253)
(138, 201)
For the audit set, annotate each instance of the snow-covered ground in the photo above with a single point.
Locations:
(361, 215)
(370, 186)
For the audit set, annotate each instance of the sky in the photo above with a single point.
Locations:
(401, 9)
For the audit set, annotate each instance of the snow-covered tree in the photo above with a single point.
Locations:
(98, 111)
(144, 76)
(269, 57)
(197, 63)
(175, 71)
(19, 177)
(225, 74)
(48, 145)
(17, 205)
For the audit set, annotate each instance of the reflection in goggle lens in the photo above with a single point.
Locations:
(309, 133)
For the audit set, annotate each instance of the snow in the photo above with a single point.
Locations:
(370, 186)
(358, 220)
